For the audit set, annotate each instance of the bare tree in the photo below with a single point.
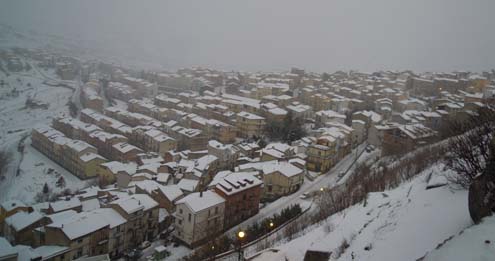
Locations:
(468, 152)
(482, 190)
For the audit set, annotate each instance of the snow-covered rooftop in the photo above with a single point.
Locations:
(201, 200)
(172, 192)
(21, 219)
(12, 204)
(65, 204)
(136, 202)
(285, 168)
(188, 185)
(237, 182)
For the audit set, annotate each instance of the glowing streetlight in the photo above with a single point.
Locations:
(270, 227)
(321, 189)
(240, 236)
(212, 252)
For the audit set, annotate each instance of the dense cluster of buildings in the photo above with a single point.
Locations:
(188, 149)
(93, 222)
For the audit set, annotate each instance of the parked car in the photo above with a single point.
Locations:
(304, 196)
(144, 245)
(370, 148)
(134, 254)
(341, 174)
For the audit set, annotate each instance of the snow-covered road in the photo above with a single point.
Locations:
(326, 180)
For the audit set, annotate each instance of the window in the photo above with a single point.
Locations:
(244, 196)
(189, 217)
(149, 214)
(180, 210)
(79, 253)
(216, 210)
(80, 240)
(180, 221)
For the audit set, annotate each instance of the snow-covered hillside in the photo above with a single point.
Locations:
(75, 46)
(476, 243)
(30, 170)
(401, 224)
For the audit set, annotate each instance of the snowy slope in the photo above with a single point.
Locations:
(75, 46)
(400, 224)
(476, 243)
(30, 170)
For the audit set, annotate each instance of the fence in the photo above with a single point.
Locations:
(232, 254)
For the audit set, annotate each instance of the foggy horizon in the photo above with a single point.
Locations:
(276, 35)
(247, 130)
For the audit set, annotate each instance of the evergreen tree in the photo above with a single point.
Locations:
(46, 189)
(325, 77)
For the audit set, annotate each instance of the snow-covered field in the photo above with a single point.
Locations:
(30, 170)
(401, 224)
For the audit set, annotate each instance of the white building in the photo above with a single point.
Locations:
(199, 216)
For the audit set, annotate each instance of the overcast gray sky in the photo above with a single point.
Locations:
(423, 35)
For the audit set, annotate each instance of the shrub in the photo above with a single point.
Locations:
(5, 158)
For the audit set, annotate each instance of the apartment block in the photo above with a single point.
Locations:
(198, 217)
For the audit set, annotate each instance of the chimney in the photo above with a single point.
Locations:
(201, 194)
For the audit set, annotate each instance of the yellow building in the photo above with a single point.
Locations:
(281, 178)
(225, 133)
(321, 155)
(260, 91)
(320, 102)
(90, 163)
(479, 83)
(250, 125)
(79, 157)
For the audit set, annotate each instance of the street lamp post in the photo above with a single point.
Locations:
(213, 252)
(240, 236)
(271, 225)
